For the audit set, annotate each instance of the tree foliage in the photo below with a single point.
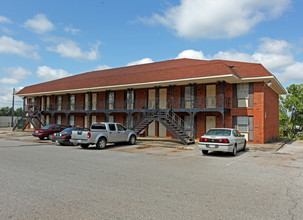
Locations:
(291, 111)
(7, 111)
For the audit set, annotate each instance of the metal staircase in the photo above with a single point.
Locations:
(30, 119)
(168, 119)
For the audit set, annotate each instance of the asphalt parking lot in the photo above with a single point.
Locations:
(42, 180)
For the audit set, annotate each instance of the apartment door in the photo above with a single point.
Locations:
(152, 129)
(94, 118)
(151, 105)
(162, 105)
(210, 96)
(85, 121)
(47, 119)
(94, 101)
(151, 98)
(210, 122)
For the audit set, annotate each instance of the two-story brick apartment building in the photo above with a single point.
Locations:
(195, 94)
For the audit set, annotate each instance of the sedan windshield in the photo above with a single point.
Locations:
(67, 130)
(47, 127)
(218, 132)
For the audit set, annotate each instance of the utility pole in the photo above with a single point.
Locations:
(13, 106)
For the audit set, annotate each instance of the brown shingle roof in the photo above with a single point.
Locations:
(160, 71)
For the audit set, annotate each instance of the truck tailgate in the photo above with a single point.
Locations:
(80, 135)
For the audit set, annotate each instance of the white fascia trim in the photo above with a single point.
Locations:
(258, 78)
(126, 85)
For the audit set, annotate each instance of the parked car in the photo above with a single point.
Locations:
(48, 131)
(102, 133)
(222, 139)
(63, 137)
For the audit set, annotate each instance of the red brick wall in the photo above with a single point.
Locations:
(101, 97)
(141, 98)
(271, 114)
(79, 101)
(119, 99)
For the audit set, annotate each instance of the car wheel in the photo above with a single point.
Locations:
(204, 152)
(84, 146)
(41, 138)
(62, 144)
(49, 137)
(132, 140)
(244, 146)
(101, 144)
(235, 150)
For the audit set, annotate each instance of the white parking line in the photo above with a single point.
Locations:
(237, 159)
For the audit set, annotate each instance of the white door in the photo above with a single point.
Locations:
(72, 120)
(151, 129)
(94, 101)
(86, 102)
(94, 119)
(47, 120)
(210, 96)
(151, 98)
(210, 122)
(59, 119)
(47, 103)
(162, 105)
(85, 121)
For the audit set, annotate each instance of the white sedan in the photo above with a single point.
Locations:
(222, 139)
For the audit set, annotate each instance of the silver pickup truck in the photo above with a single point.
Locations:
(102, 133)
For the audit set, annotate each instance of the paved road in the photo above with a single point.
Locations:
(44, 181)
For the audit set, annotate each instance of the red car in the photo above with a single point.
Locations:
(48, 130)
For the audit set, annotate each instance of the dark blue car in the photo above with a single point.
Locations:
(63, 138)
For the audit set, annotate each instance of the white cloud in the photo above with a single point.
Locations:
(17, 72)
(234, 55)
(8, 81)
(191, 54)
(71, 30)
(274, 55)
(70, 49)
(217, 19)
(138, 62)
(39, 24)
(47, 73)
(292, 73)
(102, 67)
(10, 46)
(6, 97)
(5, 20)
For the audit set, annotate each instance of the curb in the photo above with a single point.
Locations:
(281, 144)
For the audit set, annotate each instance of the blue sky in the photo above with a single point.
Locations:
(46, 40)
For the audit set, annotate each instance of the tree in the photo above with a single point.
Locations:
(291, 111)
(7, 111)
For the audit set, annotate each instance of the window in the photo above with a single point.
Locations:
(242, 123)
(121, 128)
(99, 126)
(112, 127)
(243, 95)
(245, 125)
